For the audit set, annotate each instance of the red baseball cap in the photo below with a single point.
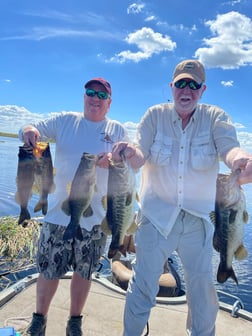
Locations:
(102, 81)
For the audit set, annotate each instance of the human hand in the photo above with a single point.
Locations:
(245, 164)
(103, 160)
(127, 149)
(30, 136)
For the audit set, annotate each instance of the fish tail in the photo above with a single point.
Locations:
(72, 232)
(224, 273)
(24, 216)
(41, 205)
(78, 233)
(69, 232)
(123, 250)
(112, 252)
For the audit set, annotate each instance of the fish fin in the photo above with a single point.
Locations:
(224, 273)
(105, 227)
(241, 253)
(35, 188)
(38, 206)
(132, 229)
(68, 187)
(104, 202)
(212, 217)
(245, 216)
(41, 205)
(88, 212)
(65, 207)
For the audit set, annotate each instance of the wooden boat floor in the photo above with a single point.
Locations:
(103, 314)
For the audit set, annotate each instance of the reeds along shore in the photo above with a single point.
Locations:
(18, 247)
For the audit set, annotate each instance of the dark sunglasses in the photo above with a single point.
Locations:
(182, 83)
(100, 94)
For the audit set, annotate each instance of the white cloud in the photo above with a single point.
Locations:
(135, 8)
(148, 43)
(150, 18)
(231, 45)
(227, 83)
(13, 117)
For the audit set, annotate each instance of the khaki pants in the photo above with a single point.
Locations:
(191, 237)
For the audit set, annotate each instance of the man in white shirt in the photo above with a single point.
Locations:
(179, 145)
(74, 133)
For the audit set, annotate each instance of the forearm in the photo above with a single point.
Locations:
(136, 160)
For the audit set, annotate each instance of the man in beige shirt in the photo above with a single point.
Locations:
(179, 145)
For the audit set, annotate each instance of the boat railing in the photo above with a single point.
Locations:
(236, 306)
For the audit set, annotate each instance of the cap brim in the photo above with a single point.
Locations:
(187, 75)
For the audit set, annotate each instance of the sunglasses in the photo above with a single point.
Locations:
(100, 94)
(182, 83)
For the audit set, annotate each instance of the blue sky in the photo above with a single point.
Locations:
(49, 49)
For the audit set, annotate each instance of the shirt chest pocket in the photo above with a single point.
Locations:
(161, 150)
(203, 153)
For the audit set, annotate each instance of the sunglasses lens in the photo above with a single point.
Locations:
(194, 85)
(182, 83)
(90, 92)
(102, 95)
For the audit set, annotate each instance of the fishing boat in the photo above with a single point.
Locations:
(103, 312)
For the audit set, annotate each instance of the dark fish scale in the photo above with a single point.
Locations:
(25, 179)
(229, 218)
(81, 194)
(33, 170)
(120, 204)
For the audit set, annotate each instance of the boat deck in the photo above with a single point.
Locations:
(103, 312)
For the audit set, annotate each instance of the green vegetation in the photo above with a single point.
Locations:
(10, 135)
(18, 247)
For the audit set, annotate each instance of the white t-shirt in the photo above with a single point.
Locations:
(75, 135)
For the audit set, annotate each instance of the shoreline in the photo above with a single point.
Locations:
(9, 135)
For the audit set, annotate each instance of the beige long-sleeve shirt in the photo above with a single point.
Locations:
(182, 164)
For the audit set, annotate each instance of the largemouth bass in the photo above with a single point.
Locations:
(24, 180)
(34, 175)
(43, 175)
(81, 194)
(121, 202)
(229, 218)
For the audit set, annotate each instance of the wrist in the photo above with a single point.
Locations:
(131, 153)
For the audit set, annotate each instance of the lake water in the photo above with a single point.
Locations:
(8, 207)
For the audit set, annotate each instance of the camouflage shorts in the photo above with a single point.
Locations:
(56, 257)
